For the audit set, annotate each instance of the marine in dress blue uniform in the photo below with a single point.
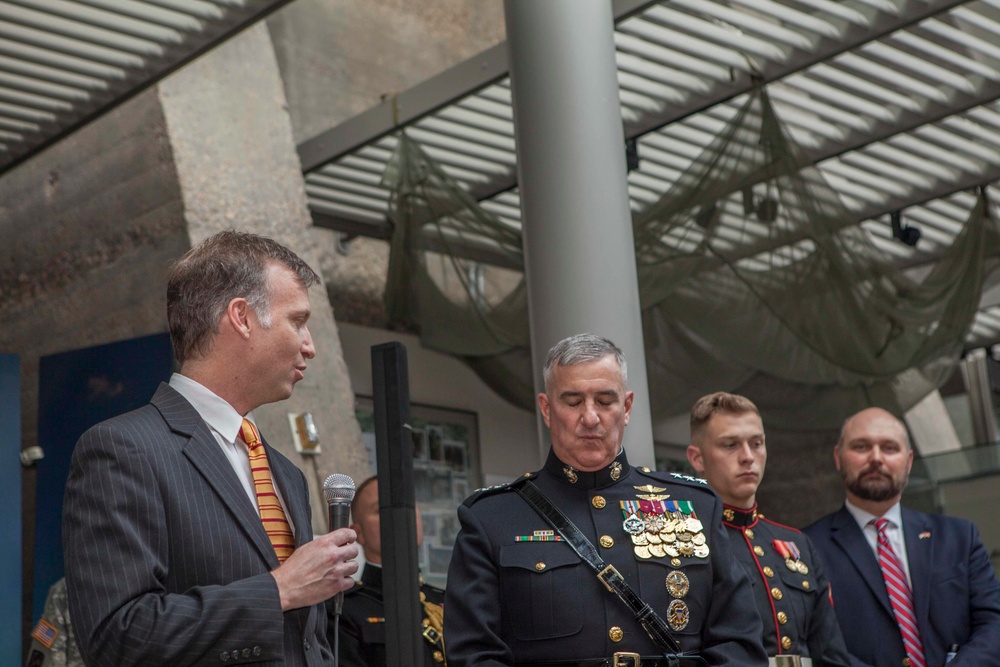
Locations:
(792, 594)
(520, 595)
(362, 623)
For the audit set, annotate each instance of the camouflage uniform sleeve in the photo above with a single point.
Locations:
(52, 642)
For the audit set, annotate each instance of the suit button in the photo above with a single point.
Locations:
(749, 533)
(236, 654)
(805, 585)
(776, 593)
(615, 634)
(768, 572)
(782, 617)
(759, 550)
(607, 541)
(224, 657)
(539, 566)
(786, 643)
(598, 502)
(306, 645)
(246, 653)
(256, 650)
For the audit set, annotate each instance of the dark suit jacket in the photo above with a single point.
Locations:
(167, 562)
(956, 596)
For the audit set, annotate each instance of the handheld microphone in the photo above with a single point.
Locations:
(338, 490)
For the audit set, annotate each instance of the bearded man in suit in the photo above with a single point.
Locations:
(188, 539)
(878, 554)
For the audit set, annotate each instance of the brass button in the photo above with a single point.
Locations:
(438, 656)
(599, 502)
(539, 566)
(759, 550)
(749, 532)
(775, 592)
(786, 643)
(644, 469)
(607, 542)
(906, 662)
(676, 562)
(782, 617)
(768, 572)
(615, 634)
(805, 585)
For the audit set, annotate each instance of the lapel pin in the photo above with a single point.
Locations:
(924, 535)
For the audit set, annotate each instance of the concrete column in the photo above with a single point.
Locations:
(237, 167)
(578, 244)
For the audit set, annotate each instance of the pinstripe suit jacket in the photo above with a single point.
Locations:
(167, 562)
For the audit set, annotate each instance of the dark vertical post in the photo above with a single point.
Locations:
(394, 455)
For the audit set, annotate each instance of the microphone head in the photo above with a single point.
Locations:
(338, 488)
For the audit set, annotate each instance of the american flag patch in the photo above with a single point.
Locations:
(45, 633)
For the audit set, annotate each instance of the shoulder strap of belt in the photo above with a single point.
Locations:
(607, 574)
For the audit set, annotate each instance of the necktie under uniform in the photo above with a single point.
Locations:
(900, 595)
(272, 514)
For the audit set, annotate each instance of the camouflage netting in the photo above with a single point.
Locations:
(753, 277)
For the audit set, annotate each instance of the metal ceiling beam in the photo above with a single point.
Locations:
(403, 108)
(238, 17)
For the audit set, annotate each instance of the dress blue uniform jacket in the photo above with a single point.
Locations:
(362, 624)
(956, 596)
(167, 561)
(792, 594)
(513, 601)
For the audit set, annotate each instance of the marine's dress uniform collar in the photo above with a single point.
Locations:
(597, 479)
(735, 517)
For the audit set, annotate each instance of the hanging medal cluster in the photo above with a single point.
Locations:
(792, 555)
(662, 528)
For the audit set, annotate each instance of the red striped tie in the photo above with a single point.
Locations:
(272, 515)
(899, 596)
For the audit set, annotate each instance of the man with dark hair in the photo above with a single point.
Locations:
(188, 539)
(911, 588)
(591, 561)
(362, 622)
(792, 594)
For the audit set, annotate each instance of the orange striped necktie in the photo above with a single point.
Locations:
(272, 515)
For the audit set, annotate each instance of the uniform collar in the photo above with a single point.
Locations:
(736, 517)
(371, 576)
(606, 476)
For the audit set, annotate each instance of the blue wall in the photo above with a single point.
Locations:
(75, 391)
(10, 502)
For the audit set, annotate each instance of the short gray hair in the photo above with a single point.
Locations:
(579, 349)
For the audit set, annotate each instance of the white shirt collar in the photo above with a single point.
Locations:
(894, 514)
(217, 412)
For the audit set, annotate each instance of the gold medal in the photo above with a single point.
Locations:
(801, 567)
(701, 551)
(693, 525)
(642, 552)
(678, 584)
(668, 537)
(699, 538)
(672, 550)
(686, 549)
(657, 550)
(640, 540)
(790, 564)
(684, 537)
(653, 538)
(678, 615)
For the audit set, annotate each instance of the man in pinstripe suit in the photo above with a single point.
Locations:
(167, 561)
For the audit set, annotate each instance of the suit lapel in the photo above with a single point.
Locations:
(204, 453)
(848, 536)
(919, 556)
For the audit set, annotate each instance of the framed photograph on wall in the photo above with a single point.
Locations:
(445, 470)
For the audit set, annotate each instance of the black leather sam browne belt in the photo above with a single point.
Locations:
(650, 621)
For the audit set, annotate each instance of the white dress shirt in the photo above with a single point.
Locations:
(225, 424)
(893, 532)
